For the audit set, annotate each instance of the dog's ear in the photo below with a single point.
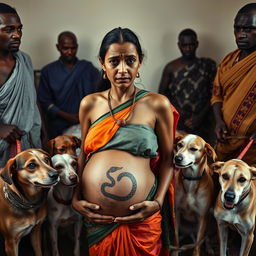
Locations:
(50, 146)
(210, 152)
(6, 172)
(77, 141)
(253, 172)
(216, 167)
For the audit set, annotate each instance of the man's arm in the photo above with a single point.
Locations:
(221, 128)
(165, 80)
(10, 133)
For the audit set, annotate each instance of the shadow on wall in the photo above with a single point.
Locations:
(208, 46)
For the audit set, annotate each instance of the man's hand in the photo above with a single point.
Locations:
(10, 133)
(221, 131)
(71, 118)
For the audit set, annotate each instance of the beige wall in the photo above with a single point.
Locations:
(156, 22)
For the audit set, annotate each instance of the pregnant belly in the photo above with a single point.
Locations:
(115, 180)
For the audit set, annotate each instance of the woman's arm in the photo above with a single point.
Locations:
(82, 206)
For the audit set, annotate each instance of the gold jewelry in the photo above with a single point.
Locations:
(104, 75)
(138, 75)
(121, 122)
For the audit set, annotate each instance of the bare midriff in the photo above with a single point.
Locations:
(115, 180)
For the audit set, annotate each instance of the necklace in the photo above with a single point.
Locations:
(121, 121)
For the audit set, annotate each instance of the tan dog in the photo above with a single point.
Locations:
(23, 197)
(64, 144)
(60, 211)
(236, 203)
(194, 185)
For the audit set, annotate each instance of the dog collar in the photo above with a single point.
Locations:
(21, 203)
(193, 178)
(61, 201)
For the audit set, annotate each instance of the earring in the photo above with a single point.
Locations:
(138, 75)
(104, 75)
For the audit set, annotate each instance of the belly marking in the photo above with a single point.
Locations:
(112, 184)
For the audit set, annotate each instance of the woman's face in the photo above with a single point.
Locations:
(121, 64)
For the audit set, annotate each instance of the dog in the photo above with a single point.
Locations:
(63, 144)
(194, 184)
(60, 211)
(236, 203)
(23, 193)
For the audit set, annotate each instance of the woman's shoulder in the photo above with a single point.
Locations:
(156, 100)
(92, 100)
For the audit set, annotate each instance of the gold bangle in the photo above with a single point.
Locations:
(160, 207)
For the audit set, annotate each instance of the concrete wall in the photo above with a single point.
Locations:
(156, 22)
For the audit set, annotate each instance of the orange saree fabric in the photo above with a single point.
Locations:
(136, 239)
(235, 87)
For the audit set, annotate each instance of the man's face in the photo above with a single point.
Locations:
(67, 48)
(10, 32)
(188, 46)
(245, 31)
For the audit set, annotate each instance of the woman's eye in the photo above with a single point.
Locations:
(131, 61)
(113, 62)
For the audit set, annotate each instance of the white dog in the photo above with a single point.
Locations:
(60, 211)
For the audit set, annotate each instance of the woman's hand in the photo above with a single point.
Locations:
(88, 211)
(145, 209)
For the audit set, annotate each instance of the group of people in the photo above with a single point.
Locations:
(125, 165)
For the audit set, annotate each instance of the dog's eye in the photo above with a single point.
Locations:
(58, 166)
(180, 145)
(241, 180)
(193, 149)
(31, 166)
(74, 164)
(225, 176)
(62, 149)
(47, 159)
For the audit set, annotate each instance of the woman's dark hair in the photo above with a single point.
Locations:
(119, 36)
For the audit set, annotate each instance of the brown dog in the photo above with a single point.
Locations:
(194, 184)
(23, 197)
(236, 203)
(63, 144)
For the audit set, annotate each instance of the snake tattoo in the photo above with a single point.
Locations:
(113, 182)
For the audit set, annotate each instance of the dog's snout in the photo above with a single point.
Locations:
(229, 195)
(178, 159)
(73, 178)
(53, 175)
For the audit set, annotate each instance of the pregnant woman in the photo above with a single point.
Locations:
(123, 128)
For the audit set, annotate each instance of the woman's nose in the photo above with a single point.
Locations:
(122, 67)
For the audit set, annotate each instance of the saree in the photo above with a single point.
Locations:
(18, 106)
(143, 238)
(235, 87)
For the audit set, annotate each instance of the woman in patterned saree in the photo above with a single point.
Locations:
(123, 129)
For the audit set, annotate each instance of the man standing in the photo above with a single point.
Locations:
(234, 91)
(187, 82)
(19, 115)
(64, 83)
